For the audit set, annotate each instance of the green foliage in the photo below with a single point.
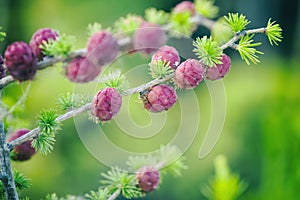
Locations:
(247, 50)
(160, 69)
(173, 160)
(47, 121)
(63, 46)
(118, 180)
(127, 25)
(168, 157)
(93, 28)
(206, 8)
(21, 181)
(48, 126)
(236, 21)
(70, 101)
(2, 35)
(181, 24)
(101, 194)
(208, 51)
(274, 32)
(157, 16)
(44, 143)
(115, 80)
(225, 185)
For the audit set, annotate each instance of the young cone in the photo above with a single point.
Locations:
(166, 54)
(106, 104)
(102, 48)
(148, 38)
(185, 6)
(159, 98)
(23, 151)
(39, 37)
(189, 74)
(20, 61)
(220, 70)
(82, 70)
(148, 178)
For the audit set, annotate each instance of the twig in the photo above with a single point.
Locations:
(33, 133)
(239, 35)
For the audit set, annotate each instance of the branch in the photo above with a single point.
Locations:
(33, 133)
(239, 35)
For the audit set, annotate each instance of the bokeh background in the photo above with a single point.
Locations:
(261, 135)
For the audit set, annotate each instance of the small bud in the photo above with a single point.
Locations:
(23, 151)
(220, 70)
(159, 98)
(82, 70)
(20, 61)
(39, 37)
(148, 178)
(185, 6)
(102, 48)
(189, 74)
(167, 54)
(148, 38)
(106, 104)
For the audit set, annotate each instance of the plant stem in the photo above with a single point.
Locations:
(33, 133)
(239, 35)
(7, 176)
(114, 195)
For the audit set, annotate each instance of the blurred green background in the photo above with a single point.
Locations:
(261, 135)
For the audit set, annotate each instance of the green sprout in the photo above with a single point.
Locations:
(180, 22)
(128, 25)
(63, 46)
(225, 185)
(21, 181)
(160, 69)
(274, 32)
(2, 35)
(101, 194)
(206, 8)
(47, 121)
(157, 16)
(114, 80)
(118, 180)
(247, 50)
(44, 143)
(48, 126)
(236, 21)
(70, 101)
(208, 51)
(93, 28)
